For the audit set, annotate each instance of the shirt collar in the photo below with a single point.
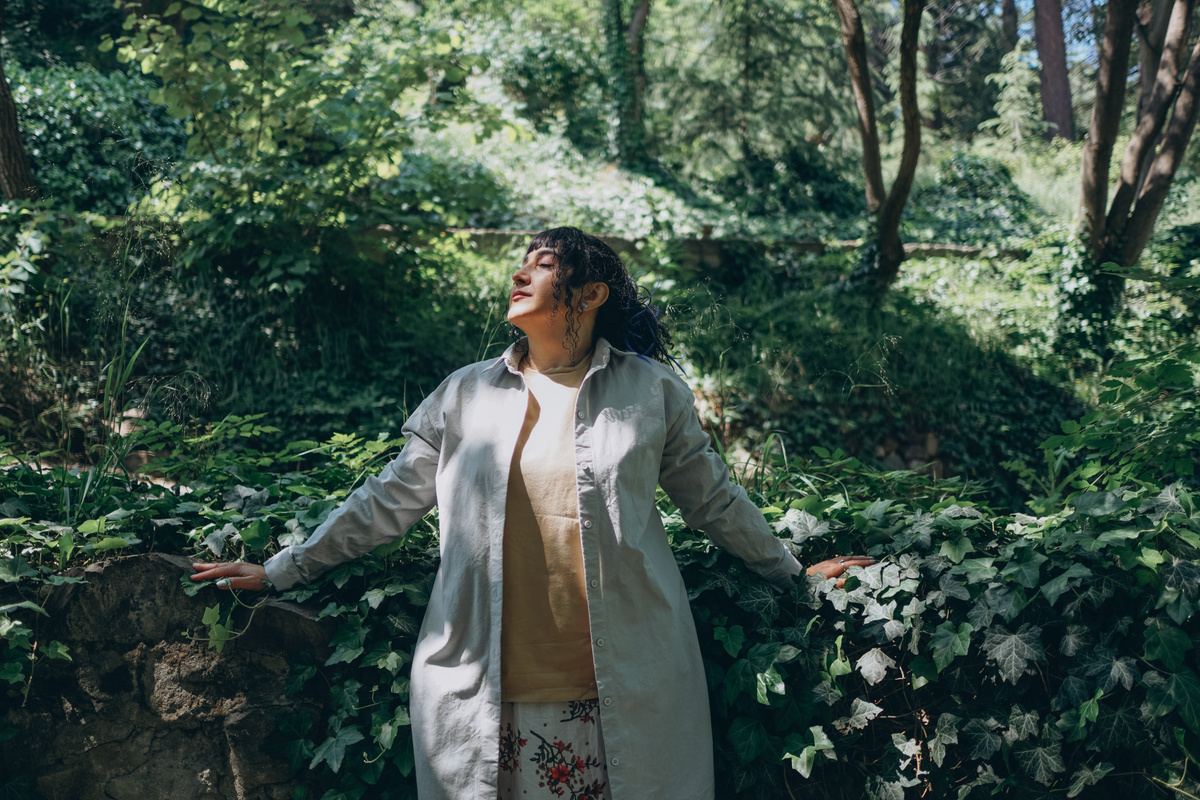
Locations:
(511, 358)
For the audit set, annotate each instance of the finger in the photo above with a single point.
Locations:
(211, 571)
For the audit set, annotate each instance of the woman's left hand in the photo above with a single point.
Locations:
(835, 567)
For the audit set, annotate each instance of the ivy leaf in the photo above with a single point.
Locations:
(1073, 691)
(731, 639)
(1021, 724)
(874, 665)
(952, 588)
(763, 655)
(1097, 504)
(1012, 652)
(1182, 693)
(803, 763)
(257, 535)
(348, 641)
(1117, 729)
(801, 525)
(1076, 637)
(879, 789)
(1027, 572)
(758, 599)
(981, 614)
(769, 681)
(861, 713)
(908, 748)
(1053, 589)
(741, 677)
(1006, 600)
(947, 643)
(333, 750)
(1110, 671)
(1088, 776)
(956, 551)
(215, 541)
(748, 737)
(1182, 576)
(15, 568)
(945, 733)
(1041, 760)
(982, 743)
(1167, 502)
(1166, 643)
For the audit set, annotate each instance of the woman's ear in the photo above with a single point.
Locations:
(593, 295)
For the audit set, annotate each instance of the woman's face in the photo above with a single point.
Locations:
(532, 297)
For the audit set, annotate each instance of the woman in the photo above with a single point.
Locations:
(558, 656)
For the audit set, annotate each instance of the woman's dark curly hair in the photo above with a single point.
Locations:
(627, 319)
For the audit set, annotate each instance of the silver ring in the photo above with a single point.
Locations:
(841, 561)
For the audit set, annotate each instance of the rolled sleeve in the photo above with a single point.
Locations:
(699, 483)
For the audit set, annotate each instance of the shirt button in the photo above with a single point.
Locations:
(616, 762)
(587, 523)
(608, 701)
(599, 643)
(579, 414)
(595, 583)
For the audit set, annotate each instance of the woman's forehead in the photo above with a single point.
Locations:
(541, 251)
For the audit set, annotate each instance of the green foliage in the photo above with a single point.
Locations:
(294, 131)
(1018, 107)
(56, 33)
(556, 74)
(95, 141)
(752, 104)
(784, 355)
(961, 46)
(972, 201)
(1021, 654)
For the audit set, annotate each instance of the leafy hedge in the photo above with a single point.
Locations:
(1024, 655)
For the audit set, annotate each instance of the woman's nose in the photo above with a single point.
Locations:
(520, 277)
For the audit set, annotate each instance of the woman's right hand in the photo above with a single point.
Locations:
(835, 567)
(233, 575)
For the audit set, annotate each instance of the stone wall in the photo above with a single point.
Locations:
(143, 711)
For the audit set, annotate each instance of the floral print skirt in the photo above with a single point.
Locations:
(552, 750)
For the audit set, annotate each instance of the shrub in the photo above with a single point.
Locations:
(95, 141)
(973, 199)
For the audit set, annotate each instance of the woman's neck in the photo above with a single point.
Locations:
(549, 352)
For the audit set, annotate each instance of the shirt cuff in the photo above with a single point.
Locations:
(282, 570)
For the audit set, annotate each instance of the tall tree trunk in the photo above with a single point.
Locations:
(1153, 107)
(1106, 119)
(1167, 110)
(1052, 53)
(624, 45)
(855, 42)
(1153, 19)
(1009, 19)
(16, 178)
(888, 209)
(1166, 164)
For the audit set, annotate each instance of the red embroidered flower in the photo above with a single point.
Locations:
(560, 745)
(579, 764)
(560, 773)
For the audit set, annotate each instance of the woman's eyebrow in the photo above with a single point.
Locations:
(541, 251)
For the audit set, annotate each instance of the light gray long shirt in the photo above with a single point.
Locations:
(635, 428)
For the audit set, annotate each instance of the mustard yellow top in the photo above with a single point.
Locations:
(545, 638)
